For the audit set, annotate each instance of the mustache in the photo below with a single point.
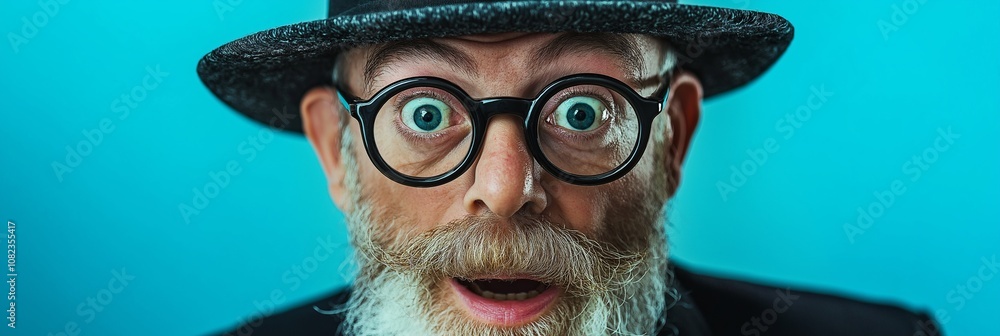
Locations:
(485, 247)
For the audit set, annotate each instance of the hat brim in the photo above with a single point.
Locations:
(265, 75)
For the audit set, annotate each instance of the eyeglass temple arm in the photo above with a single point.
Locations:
(347, 100)
(666, 77)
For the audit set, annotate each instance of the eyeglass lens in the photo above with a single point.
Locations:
(584, 130)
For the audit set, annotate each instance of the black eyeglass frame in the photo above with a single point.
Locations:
(480, 111)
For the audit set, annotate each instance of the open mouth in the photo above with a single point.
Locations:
(509, 302)
(505, 290)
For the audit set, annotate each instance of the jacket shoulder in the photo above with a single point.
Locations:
(733, 307)
(312, 318)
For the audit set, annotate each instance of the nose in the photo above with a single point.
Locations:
(507, 179)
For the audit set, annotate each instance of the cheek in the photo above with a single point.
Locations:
(408, 209)
(647, 165)
(422, 209)
(578, 207)
(411, 210)
(587, 208)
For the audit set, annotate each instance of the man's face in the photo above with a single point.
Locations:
(506, 248)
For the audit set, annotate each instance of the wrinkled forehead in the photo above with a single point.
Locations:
(468, 54)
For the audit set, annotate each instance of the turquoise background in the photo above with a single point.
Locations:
(118, 209)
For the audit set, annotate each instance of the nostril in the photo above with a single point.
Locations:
(478, 208)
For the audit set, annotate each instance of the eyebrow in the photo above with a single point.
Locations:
(618, 46)
(383, 57)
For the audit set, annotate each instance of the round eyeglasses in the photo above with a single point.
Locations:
(584, 129)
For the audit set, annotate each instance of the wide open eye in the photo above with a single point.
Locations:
(580, 114)
(426, 115)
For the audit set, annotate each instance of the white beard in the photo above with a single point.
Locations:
(386, 300)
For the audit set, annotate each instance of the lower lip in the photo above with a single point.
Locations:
(508, 312)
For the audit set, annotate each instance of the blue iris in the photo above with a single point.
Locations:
(581, 116)
(427, 117)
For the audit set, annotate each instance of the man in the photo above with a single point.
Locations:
(503, 165)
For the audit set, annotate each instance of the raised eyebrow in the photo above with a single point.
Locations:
(385, 56)
(619, 46)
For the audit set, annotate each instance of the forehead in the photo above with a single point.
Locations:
(530, 53)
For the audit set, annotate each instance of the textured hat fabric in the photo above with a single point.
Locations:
(268, 72)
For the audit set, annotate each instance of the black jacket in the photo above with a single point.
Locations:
(708, 306)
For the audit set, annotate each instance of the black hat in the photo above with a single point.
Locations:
(268, 72)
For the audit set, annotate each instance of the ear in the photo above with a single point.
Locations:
(684, 108)
(321, 122)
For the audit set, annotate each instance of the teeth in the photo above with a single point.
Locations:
(507, 297)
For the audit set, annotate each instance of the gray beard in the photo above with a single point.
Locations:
(393, 296)
(616, 288)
